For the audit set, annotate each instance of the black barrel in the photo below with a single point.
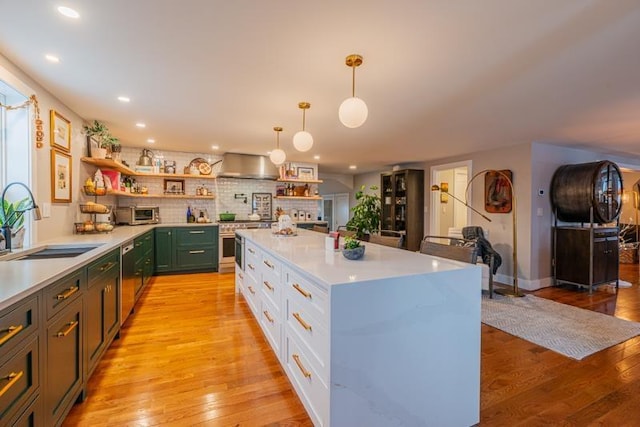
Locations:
(575, 189)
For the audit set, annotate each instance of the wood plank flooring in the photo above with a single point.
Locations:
(193, 355)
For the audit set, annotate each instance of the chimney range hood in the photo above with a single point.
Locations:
(249, 166)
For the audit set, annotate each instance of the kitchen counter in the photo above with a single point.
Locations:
(21, 278)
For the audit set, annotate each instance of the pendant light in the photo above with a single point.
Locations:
(353, 111)
(278, 156)
(302, 140)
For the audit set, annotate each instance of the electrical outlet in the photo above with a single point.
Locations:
(540, 212)
(45, 210)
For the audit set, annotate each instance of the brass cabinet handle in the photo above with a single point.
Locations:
(251, 266)
(296, 359)
(301, 321)
(268, 285)
(197, 232)
(251, 290)
(70, 327)
(268, 264)
(201, 251)
(268, 316)
(302, 291)
(138, 244)
(107, 266)
(13, 378)
(11, 331)
(251, 250)
(240, 276)
(66, 294)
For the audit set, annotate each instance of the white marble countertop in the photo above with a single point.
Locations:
(306, 251)
(21, 278)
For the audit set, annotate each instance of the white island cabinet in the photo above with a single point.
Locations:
(392, 339)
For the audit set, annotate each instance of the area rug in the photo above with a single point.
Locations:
(570, 331)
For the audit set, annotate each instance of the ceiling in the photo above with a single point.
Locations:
(440, 78)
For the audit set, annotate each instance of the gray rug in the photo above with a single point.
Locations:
(571, 331)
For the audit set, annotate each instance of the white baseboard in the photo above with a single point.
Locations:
(527, 285)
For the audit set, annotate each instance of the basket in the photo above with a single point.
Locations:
(629, 253)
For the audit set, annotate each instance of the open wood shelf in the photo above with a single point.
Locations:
(110, 164)
(158, 196)
(301, 181)
(299, 197)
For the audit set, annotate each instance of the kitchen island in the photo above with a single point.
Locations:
(392, 339)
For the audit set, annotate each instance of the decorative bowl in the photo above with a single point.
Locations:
(353, 254)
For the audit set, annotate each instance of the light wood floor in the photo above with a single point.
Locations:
(193, 355)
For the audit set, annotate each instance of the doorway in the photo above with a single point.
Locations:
(335, 209)
(447, 214)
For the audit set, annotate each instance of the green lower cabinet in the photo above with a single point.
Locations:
(186, 249)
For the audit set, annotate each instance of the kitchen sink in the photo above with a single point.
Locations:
(51, 252)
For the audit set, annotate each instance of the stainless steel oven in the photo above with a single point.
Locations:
(240, 252)
(227, 251)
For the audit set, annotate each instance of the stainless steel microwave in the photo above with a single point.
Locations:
(137, 215)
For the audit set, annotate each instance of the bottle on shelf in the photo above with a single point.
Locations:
(188, 213)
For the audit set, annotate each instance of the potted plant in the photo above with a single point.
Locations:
(14, 221)
(99, 133)
(366, 213)
(352, 248)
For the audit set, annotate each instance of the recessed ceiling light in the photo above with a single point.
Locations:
(151, 141)
(124, 99)
(215, 147)
(353, 167)
(141, 125)
(52, 58)
(316, 157)
(68, 12)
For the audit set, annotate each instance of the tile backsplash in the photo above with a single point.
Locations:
(231, 194)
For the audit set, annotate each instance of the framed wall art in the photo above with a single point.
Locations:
(305, 173)
(174, 186)
(60, 177)
(60, 136)
(497, 191)
(261, 204)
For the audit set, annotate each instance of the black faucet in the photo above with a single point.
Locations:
(16, 214)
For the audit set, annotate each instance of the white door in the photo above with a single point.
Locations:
(445, 211)
(335, 209)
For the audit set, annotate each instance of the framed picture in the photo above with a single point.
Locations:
(60, 177)
(261, 204)
(497, 191)
(305, 173)
(60, 132)
(174, 186)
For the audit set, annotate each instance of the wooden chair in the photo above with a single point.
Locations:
(457, 249)
(343, 231)
(320, 228)
(390, 238)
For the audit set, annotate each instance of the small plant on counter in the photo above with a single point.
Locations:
(366, 214)
(351, 243)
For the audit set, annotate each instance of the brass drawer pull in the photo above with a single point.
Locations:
(268, 264)
(268, 285)
(12, 331)
(197, 232)
(268, 316)
(251, 290)
(302, 291)
(251, 250)
(201, 251)
(240, 276)
(107, 266)
(13, 378)
(301, 321)
(296, 359)
(66, 294)
(70, 327)
(251, 266)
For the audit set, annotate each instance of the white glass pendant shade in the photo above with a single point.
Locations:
(303, 141)
(353, 112)
(277, 156)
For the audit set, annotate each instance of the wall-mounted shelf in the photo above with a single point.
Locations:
(299, 197)
(301, 181)
(158, 196)
(110, 164)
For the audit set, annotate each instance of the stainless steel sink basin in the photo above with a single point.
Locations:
(51, 252)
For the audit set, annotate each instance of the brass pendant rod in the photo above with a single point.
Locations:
(303, 118)
(278, 129)
(353, 81)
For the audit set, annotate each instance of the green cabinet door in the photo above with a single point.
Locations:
(164, 253)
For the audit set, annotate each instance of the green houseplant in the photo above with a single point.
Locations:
(15, 222)
(100, 133)
(366, 213)
(352, 248)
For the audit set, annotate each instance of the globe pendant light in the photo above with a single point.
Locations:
(353, 111)
(302, 140)
(278, 156)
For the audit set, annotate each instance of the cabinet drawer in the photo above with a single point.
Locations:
(18, 379)
(272, 326)
(61, 293)
(30, 417)
(195, 236)
(108, 265)
(195, 258)
(16, 323)
(312, 333)
(271, 289)
(251, 295)
(313, 392)
(252, 254)
(309, 296)
(271, 266)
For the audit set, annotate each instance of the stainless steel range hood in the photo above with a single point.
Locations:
(235, 165)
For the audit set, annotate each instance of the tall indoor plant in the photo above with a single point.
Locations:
(366, 213)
